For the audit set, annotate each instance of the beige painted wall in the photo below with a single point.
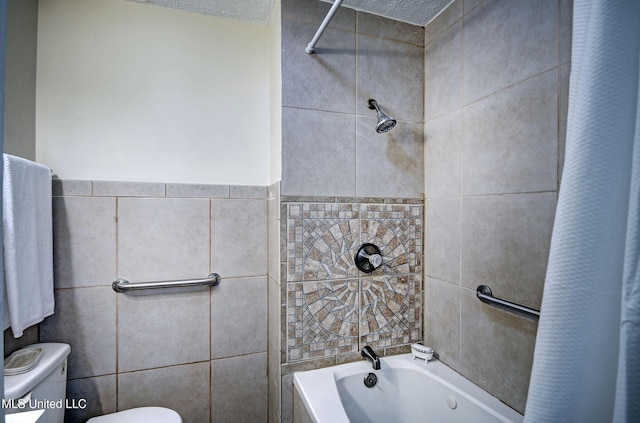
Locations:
(128, 91)
(20, 78)
(275, 126)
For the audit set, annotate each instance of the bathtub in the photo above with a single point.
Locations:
(407, 391)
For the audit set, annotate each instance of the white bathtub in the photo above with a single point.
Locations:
(407, 391)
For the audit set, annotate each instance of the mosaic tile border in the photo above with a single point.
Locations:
(331, 309)
(391, 311)
(321, 238)
(337, 317)
(397, 230)
(322, 318)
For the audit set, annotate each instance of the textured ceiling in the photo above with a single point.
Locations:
(417, 12)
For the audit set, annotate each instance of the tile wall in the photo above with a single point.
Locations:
(338, 178)
(275, 309)
(329, 309)
(329, 143)
(496, 78)
(200, 351)
(333, 308)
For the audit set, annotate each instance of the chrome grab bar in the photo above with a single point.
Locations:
(484, 294)
(123, 285)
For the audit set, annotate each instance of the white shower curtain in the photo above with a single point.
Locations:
(587, 357)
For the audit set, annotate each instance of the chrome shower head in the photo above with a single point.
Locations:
(385, 122)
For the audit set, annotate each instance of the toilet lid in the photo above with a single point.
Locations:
(140, 415)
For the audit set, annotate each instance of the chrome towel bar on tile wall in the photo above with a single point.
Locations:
(123, 285)
(484, 294)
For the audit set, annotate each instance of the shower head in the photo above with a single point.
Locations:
(385, 122)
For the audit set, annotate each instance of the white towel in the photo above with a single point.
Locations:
(28, 243)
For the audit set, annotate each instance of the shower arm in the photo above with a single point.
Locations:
(312, 44)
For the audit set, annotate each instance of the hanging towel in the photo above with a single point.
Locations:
(28, 243)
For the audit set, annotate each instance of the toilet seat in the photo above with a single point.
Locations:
(140, 415)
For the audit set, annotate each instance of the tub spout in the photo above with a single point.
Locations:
(368, 353)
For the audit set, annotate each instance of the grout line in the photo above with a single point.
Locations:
(355, 31)
(210, 300)
(558, 92)
(357, 115)
(355, 111)
(117, 320)
(508, 87)
(210, 399)
(210, 235)
(461, 164)
(504, 194)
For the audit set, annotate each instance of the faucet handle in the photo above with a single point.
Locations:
(368, 258)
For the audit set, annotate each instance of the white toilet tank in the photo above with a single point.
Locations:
(43, 387)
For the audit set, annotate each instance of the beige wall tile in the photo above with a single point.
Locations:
(239, 237)
(273, 237)
(443, 74)
(443, 21)
(470, 4)
(160, 239)
(443, 156)
(239, 389)
(566, 29)
(85, 318)
(84, 241)
(185, 389)
(510, 139)
(99, 394)
(511, 121)
(563, 108)
(239, 317)
(506, 243)
(275, 381)
(197, 190)
(322, 81)
(442, 239)
(396, 156)
(155, 236)
(496, 349)
(275, 302)
(287, 398)
(506, 42)
(128, 189)
(61, 187)
(393, 74)
(163, 328)
(442, 320)
(318, 153)
(248, 191)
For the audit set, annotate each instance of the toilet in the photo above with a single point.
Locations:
(36, 378)
(140, 415)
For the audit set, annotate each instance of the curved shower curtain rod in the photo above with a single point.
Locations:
(312, 44)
